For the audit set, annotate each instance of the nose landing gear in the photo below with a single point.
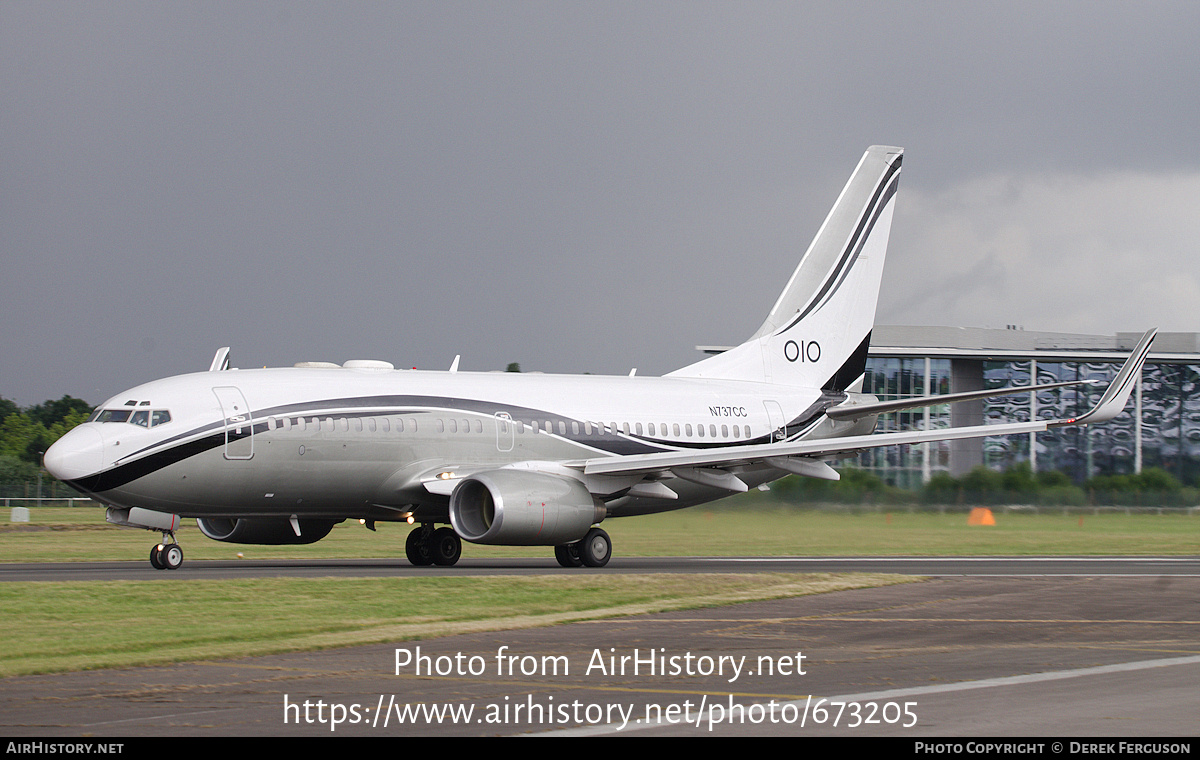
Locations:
(166, 556)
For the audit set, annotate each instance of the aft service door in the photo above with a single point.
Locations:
(239, 424)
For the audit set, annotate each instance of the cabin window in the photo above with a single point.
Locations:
(712, 430)
(747, 431)
(700, 430)
(735, 431)
(688, 429)
(453, 425)
(562, 427)
(675, 428)
(358, 424)
(639, 429)
(651, 428)
(441, 426)
(413, 423)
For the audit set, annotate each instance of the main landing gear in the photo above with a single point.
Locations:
(427, 546)
(593, 551)
(166, 556)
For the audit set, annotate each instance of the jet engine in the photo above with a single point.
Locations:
(246, 530)
(522, 508)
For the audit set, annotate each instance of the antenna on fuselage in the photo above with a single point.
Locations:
(220, 362)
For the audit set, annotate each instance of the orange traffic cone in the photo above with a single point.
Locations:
(981, 516)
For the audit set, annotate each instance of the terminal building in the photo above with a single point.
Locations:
(1160, 427)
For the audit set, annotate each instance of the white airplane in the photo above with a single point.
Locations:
(279, 456)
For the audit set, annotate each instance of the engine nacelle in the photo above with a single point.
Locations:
(256, 530)
(522, 508)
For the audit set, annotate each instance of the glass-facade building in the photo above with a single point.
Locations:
(1170, 403)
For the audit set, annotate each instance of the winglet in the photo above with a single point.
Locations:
(1114, 399)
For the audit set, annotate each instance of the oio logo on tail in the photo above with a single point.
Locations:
(804, 351)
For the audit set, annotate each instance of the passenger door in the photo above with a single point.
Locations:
(239, 423)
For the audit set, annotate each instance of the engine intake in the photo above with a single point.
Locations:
(522, 508)
(248, 530)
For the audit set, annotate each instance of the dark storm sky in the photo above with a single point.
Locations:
(578, 187)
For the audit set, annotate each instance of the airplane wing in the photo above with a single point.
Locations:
(802, 456)
(856, 411)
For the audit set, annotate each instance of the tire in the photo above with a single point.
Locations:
(446, 547)
(419, 552)
(172, 556)
(156, 557)
(596, 548)
(568, 555)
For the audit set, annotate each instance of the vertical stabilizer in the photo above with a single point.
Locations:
(819, 330)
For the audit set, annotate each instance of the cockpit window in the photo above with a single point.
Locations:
(142, 418)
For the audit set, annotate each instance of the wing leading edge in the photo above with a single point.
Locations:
(805, 452)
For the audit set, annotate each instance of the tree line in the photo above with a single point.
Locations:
(25, 433)
(983, 486)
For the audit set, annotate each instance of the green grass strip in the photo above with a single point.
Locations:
(54, 627)
(739, 527)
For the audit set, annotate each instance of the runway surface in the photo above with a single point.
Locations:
(359, 568)
(991, 647)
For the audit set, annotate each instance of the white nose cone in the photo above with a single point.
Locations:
(77, 454)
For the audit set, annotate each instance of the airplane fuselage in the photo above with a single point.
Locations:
(370, 443)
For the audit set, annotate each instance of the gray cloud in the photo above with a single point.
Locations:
(577, 187)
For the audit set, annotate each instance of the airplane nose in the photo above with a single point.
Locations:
(77, 454)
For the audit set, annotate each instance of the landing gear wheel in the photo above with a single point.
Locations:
(156, 557)
(568, 555)
(446, 546)
(419, 552)
(171, 556)
(595, 548)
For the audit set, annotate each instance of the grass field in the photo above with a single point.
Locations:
(51, 627)
(737, 527)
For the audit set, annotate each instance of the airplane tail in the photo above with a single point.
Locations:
(818, 332)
